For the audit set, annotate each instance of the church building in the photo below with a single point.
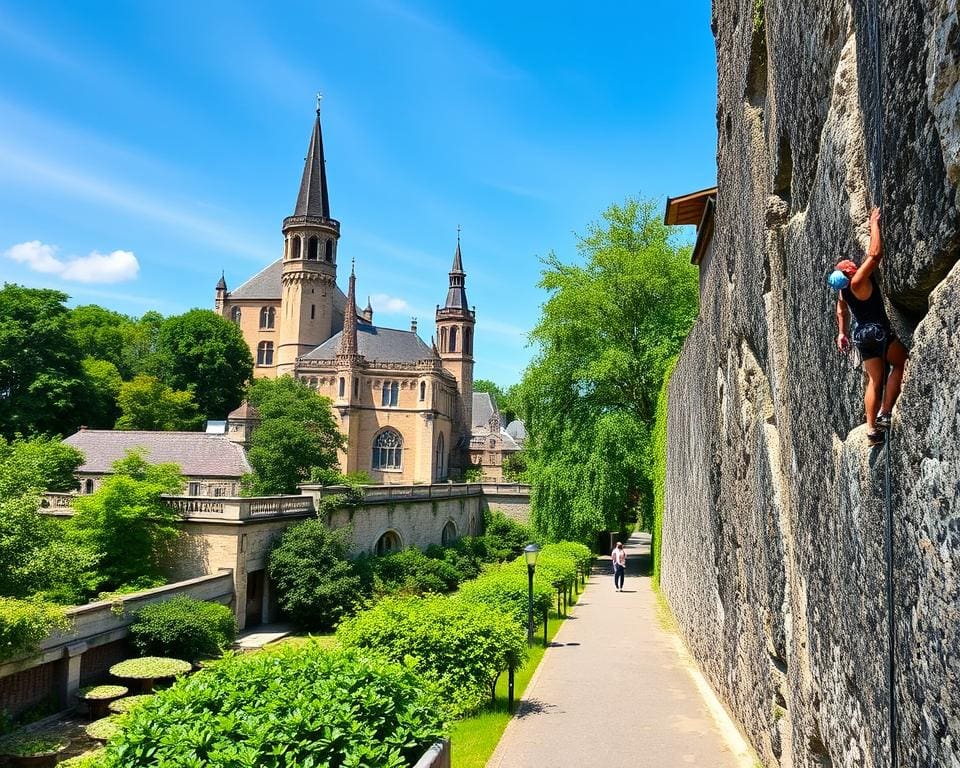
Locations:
(405, 406)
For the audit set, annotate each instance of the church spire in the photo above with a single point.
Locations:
(313, 200)
(457, 293)
(348, 340)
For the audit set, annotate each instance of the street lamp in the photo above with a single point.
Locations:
(530, 553)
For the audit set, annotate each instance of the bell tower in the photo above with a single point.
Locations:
(455, 324)
(308, 279)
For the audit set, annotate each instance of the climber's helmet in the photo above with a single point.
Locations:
(840, 277)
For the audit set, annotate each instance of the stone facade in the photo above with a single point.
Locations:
(773, 543)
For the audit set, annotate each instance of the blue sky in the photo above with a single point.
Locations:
(146, 146)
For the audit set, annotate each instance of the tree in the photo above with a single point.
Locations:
(607, 331)
(103, 388)
(316, 584)
(206, 355)
(103, 334)
(146, 403)
(127, 523)
(297, 436)
(41, 378)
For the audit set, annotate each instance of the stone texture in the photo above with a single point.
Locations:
(773, 557)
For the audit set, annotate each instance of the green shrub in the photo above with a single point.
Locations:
(25, 623)
(103, 729)
(129, 703)
(102, 692)
(505, 536)
(409, 572)
(184, 628)
(579, 553)
(150, 668)
(463, 646)
(316, 584)
(508, 590)
(302, 706)
(86, 760)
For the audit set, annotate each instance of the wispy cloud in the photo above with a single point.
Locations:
(506, 330)
(114, 267)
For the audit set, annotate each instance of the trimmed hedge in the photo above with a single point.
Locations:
(409, 572)
(508, 590)
(183, 628)
(25, 623)
(303, 706)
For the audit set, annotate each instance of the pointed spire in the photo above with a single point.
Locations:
(457, 293)
(222, 282)
(348, 340)
(313, 199)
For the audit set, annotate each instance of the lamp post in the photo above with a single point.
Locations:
(530, 553)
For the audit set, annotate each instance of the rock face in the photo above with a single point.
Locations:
(773, 541)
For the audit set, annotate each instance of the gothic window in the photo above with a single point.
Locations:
(423, 390)
(389, 394)
(343, 386)
(268, 318)
(394, 393)
(449, 533)
(453, 339)
(468, 341)
(235, 315)
(328, 251)
(265, 353)
(313, 248)
(295, 247)
(443, 339)
(88, 486)
(388, 450)
(389, 542)
(440, 459)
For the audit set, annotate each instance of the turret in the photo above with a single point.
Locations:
(455, 325)
(221, 294)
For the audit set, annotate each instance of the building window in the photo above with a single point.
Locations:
(88, 486)
(295, 248)
(313, 311)
(449, 533)
(268, 317)
(235, 315)
(219, 491)
(356, 387)
(328, 251)
(423, 391)
(389, 542)
(468, 341)
(265, 353)
(443, 339)
(343, 386)
(453, 339)
(313, 248)
(390, 394)
(388, 450)
(193, 489)
(440, 459)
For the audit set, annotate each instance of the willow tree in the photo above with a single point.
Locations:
(609, 327)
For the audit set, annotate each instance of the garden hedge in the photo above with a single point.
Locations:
(25, 623)
(183, 628)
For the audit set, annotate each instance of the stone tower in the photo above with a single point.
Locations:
(221, 294)
(455, 324)
(308, 281)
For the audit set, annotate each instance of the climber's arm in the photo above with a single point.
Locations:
(860, 284)
(843, 320)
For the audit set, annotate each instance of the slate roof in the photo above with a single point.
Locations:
(263, 285)
(376, 343)
(313, 199)
(484, 406)
(517, 430)
(199, 454)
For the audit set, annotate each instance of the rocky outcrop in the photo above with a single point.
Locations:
(773, 541)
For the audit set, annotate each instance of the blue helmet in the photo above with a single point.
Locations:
(838, 280)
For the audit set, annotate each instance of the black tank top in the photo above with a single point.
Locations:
(869, 311)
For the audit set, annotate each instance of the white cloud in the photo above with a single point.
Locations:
(114, 267)
(391, 305)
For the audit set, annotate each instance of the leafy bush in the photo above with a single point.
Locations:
(409, 572)
(86, 760)
(316, 584)
(463, 646)
(184, 628)
(508, 590)
(505, 536)
(579, 553)
(103, 729)
(102, 692)
(150, 668)
(129, 703)
(302, 706)
(25, 623)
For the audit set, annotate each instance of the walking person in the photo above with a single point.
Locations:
(619, 559)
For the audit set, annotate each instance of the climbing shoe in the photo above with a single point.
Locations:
(883, 420)
(875, 437)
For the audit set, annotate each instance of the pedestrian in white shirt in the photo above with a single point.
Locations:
(619, 559)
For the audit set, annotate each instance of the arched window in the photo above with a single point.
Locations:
(389, 542)
(423, 390)
(388, 450)
(328, 251)
(235, 315)
(343, 386)
(268, 318)
(468, 341)
(449, 533)
(390, 394)
(440, 459)
(265, 353)
(88, 486)
(443, 339)
(313, 248)
(295, 247)
(453, 339)
(394, 393)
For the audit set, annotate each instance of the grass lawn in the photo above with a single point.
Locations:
(325, 641)
(473, 739)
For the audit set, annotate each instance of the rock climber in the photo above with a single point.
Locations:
(883, 355)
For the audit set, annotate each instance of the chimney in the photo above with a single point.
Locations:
(413, 324)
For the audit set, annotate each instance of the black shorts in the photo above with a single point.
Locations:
(873, 340)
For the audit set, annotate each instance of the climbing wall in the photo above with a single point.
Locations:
(773, 557)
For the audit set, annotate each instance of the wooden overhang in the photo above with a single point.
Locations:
(696, 208)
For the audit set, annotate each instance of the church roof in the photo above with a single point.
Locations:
(199, 454)
(484, 406)
(457, 293)
(266, 285)
(313, 199)
(376, 343)
(246, 410)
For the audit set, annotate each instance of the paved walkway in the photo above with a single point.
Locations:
(261, 635)
(616, 691)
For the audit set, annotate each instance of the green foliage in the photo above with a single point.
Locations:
(102, 692)
(30, 744)
(409, 572)
(302, 706)
(41, 377)
(204, 353)
(659, 468)
(86, 760)
(298, 436)
(25, 623)
(463, 646)
(126, 523)
(150, 668)
(607, 331)
(185, 628)
(515, 467)
(106, 335)
(316, 585)
(129, 703)
(508, 590)
(103, 389)
(147, 403)
(504, 535)
(103, 729)
(473, 475)
(37, 465)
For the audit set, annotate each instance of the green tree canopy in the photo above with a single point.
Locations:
(608, 329)
(146, 403)
(297, 436)
(103, 389)
(103, 334)
(205, 354)
(41, 377)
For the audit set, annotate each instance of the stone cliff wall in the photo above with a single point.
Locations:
(773, 557)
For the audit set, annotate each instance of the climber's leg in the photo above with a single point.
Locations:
(871, 392)
(897, 359)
